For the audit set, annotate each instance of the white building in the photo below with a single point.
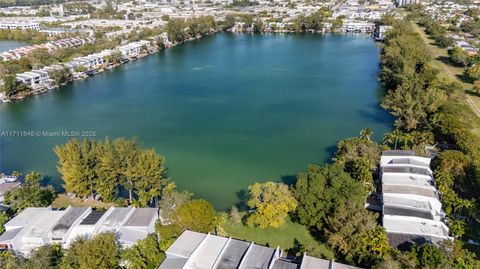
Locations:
(194, 250)
(411, 209)
(36, 227)
(133, 49)
(33, 78)
(20, 25)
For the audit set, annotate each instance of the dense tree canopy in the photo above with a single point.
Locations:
(29, 194)
(319, 190)
(197, 215)
(90, 167)
(272, 202)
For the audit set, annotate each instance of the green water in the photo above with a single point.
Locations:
(226, 110)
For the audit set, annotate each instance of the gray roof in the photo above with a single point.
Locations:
(116, 216)
(173, 263)
(408, 161)
(406, 169)
(142, 217)
(408, 212)
(130, 236)
(9, 235)
(27, 216)
(398, 153)
(284, 264)
(185, 244)
(405, 241)
(69, 218)
(233, 254)
(258, 257)
(388, 188)
(314, 263)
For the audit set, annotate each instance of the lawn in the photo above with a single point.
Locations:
(64, 201)
(283, 236)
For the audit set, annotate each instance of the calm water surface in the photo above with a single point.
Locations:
(226, 110)
(11, 44)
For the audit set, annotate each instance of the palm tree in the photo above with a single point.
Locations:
(392, 138)
(366, 134)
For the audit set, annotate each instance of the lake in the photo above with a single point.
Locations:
(6, 45)
(226, 111)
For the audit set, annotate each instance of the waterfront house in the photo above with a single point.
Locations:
(34, 227)
(133, 49)
(33, 78)
(194, 250)
(411, 209)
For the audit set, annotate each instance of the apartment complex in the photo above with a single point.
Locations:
(194, 250)
(35, 227)
(411, 209)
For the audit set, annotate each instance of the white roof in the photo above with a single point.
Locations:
(185, 244)
(206, 256)
(27, 216)
(413, 225)
(42, 224)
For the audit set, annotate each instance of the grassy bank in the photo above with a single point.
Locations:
(284, 236)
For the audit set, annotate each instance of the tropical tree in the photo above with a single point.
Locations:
(272, 202)
(78, 163)
(319, 190)
(146, 253)
(29, 194)
(197, 215)
(100, 252)
(354, 234)
(171, 200)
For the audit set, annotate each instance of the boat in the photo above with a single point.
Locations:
(7, 178)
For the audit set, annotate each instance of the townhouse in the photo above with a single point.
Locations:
(35, 227)
(194, 250)
(411, 208)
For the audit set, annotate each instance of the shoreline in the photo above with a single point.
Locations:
(90, 73)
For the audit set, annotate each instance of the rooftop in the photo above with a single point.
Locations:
(206, 256)
(27, 216)
(72, 214)
(186, 244)
(232, 255)
(412, 225)
(391, 188)
(408, 212)
(93, 217)
(257, 257)
(398, 153)
(142, 217)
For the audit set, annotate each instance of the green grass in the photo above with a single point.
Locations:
(64, 201)
(283, 236)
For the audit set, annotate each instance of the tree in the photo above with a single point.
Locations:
(412, 102)
(476, 87)
(100, 252)
(458, 56)
(429, 256)
(272, 203)
(171, 200)
(61, 76)
(146, 253)
(149, 177)
(197, 215)
(3, 219)
(319, 190)
(46, 257)
(29, 194)
(366, 134)
(354, 234)
(78, 163)
(235, 216)
(473, 72)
